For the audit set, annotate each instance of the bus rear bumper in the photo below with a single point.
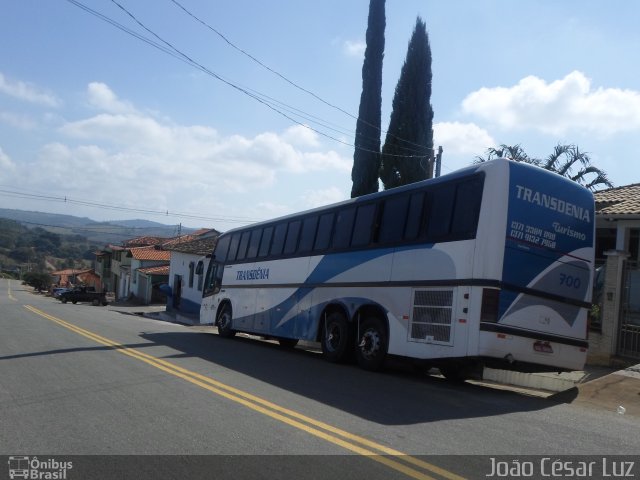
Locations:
(530, 354)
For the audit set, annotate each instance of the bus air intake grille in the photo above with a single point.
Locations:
(431, 320)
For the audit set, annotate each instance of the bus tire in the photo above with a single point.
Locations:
(64, 300)
(224, 323)
(288, 342)
(371, 350)
(336, 338)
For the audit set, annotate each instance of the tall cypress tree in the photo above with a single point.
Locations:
(366, 156)
(409, 142)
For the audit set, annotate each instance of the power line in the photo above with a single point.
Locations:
(164, 213)
(177, 53)
(286, 79)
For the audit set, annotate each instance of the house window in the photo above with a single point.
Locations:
(192, 267)
(200, 273)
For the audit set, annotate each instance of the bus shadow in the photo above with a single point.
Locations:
(400, 395)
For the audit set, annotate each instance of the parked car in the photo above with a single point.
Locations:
(58, 290)
(83, 294)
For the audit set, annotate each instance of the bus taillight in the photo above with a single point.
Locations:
(490, 302)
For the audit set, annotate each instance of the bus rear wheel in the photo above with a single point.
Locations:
(224, 323)
(371, 350)
(336, 338)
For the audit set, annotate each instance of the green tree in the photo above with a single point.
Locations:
(409, 142)
(566, 160)
(366, 156)
(38, 280)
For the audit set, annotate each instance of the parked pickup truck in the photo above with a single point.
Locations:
(83, 294)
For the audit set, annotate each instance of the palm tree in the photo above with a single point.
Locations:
(566, 160)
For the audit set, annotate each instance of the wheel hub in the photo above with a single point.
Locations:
(370, 343)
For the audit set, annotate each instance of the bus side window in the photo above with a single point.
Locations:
(441, 210)
(242, 249)
(233, 247)
(414, 216)
(278, 239)
(308, 235)
(363, 225)
(265, 243)
(467, 209)
(222, 248)
(394, 214)
(344, 227)
(254, 242)
(293, 232)
(325, 228)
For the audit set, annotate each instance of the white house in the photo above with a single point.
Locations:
(142, 279)
(187, 269)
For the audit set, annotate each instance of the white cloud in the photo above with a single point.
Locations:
(301, 136)
(5, 163)
(318, 198)
(102, 97)
(27, 92)
(568, 104)
(461, 138)
(16, 120)
(354, 48)
(124, 155)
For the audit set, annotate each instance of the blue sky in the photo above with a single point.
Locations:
(91, 113)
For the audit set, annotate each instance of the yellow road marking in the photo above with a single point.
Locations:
(290, 417)
(9, 291)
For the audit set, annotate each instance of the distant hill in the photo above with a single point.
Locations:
(101, 233)
(25, 217)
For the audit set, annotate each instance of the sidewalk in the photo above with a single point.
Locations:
(617, 392)
(175, 317)
(550, 382)
(156, 312)
(604, 388)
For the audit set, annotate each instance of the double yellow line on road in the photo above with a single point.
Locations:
(9, 291)
(406, 464)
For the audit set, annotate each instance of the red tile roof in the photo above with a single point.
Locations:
(199, 246)
(144, 241)
(72, 271)
(160, 270)
(150, 253)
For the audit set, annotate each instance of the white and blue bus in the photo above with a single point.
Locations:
(490, 265)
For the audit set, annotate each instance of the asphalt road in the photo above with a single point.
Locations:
(84, 380)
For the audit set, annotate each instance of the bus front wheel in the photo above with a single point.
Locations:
(371, 350)
(224, 323)
(336, 338)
